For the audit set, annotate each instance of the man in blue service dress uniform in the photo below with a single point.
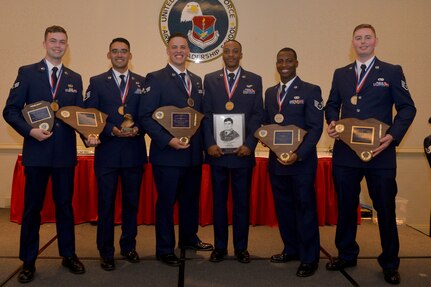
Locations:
(177, 166)
(371, 95)
(294, 102)
(47, 154)
(121, 153)
(243, 95)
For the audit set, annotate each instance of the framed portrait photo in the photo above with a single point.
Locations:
(229, 130)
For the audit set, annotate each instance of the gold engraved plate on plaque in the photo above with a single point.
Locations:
(87, 122)
(362, 136)
(39, 115)
(282, 140)
(229, 106)
(181, 123)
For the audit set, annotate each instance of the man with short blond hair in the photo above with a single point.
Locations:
(365, 89)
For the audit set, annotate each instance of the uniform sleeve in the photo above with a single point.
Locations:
(333, 105)
(92, 101)
(150, 101)
(313, 122)
(256, 117)
(79, 101)
(208, 124)
(404, 106)
(266, 119)
(12, 112)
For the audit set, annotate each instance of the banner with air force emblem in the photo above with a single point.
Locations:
(207, 25)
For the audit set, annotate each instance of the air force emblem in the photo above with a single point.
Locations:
(203, 33)
(207, 24)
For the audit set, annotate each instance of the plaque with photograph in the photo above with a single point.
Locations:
(362, 136)
(229, 130)
(39, 115)
(181, 123)
(282, 140)
(87, 122)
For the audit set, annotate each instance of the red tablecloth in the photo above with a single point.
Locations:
(261, 202)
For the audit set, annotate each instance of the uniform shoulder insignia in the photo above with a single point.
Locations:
(319, 105)
(404, 85)
(86, 96)
(15, 85)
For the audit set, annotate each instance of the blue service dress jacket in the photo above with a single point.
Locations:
(384, 88)
(165, 88)
(103, 94)
(247, 100)
(32, 85)
(302, 107)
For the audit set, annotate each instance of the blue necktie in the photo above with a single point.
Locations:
(54, 77)
(231, 80)
(363, 68)
(122, 83)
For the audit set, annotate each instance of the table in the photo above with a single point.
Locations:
(262, 210)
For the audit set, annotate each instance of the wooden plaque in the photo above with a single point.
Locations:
(362, 136)
(181, 123)
(87, 122)
(282, 140)
(39, 115)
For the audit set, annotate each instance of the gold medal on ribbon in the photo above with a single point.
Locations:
(121, 110)
(278, 118)
(354, 100)
(229, 106)
(55, 106)
(190, 102)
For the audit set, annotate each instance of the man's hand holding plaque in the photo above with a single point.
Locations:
(363, 136)
(181, 123)
(284, 141)
(87, 122)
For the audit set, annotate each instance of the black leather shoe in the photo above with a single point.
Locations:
(283, 258)
(218, 255)
(338, 264)
(199, 246)
(242, 256)
(169, 259)
(132, 256)
(27, 273)
(107, 264)
(392, 276)
(306, 270)
(73, 264)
